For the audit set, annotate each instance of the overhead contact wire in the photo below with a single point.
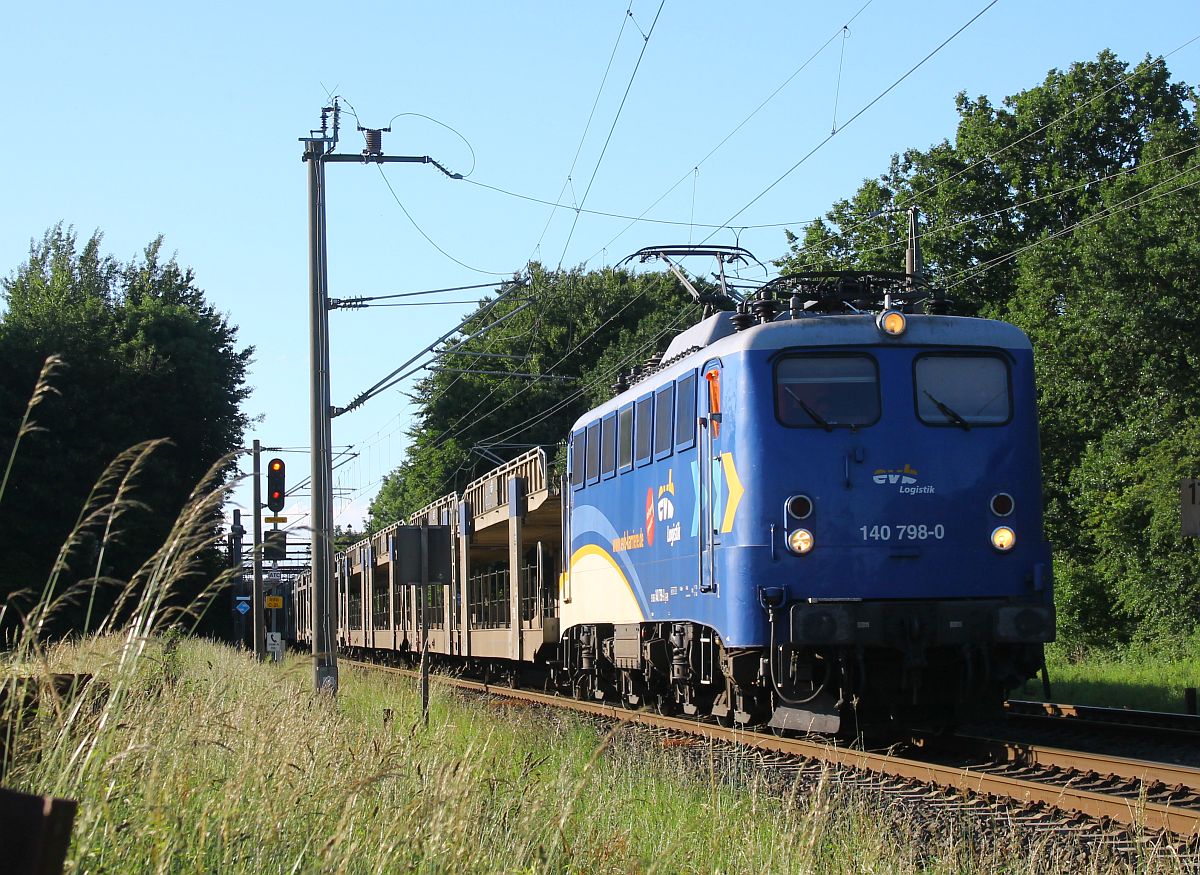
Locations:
(583, 137)
(854, 117)
(612, 128)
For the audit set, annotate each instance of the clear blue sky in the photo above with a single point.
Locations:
(182, 119)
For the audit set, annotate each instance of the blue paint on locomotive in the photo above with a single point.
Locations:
(901, 506)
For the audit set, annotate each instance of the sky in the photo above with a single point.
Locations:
(139, 119)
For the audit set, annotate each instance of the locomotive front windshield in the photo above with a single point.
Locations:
(962, 390)
(827, 391)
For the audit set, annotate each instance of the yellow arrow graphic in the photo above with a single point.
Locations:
(736, 491)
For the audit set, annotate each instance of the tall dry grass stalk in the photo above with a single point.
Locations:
(144, 604)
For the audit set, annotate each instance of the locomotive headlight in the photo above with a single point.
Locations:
(1003, 538)
(800, 541)
(800, 506)
(891, 322)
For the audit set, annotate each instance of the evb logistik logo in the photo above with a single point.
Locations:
(906, 478)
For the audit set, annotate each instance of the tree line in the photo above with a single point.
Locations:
(144, 357)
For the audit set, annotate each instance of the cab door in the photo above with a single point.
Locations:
(709, 460)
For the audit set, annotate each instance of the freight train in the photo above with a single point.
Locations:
(820, 511)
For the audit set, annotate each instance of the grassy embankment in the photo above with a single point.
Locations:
(202, 760)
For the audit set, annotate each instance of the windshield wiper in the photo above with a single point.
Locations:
(949, 412)
(816, 417)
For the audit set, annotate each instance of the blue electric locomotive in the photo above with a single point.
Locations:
(822, 511)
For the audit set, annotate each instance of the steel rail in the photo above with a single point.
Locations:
(1033, 754)
(1159, 721)
(1141, 812)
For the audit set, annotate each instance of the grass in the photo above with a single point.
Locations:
(1140, 678)
(202, 760)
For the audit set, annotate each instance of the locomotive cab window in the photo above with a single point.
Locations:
(962, 390)
(833, 391)
(664, 420)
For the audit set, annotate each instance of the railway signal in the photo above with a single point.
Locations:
(276, 492)
(274, 545)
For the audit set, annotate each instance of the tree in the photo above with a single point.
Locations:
(1111, 310)
(1013, 174)
(146, 357)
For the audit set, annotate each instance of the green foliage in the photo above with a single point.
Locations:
(1013, 174)
(1072, 210)
(146, 357)
(588, 326)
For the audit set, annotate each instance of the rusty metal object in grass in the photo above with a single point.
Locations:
(36, 832)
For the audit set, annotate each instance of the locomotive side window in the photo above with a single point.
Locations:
(593, 452)
(608, 445)
(962, 390)
(577, 441)
(832, 391)
(685, 412)
(643, 429)
(625, 438)
(664, 420)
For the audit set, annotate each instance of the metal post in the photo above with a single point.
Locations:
(516, 555)
(324, 657)
(424, 624)
(464, 575)
(318, 151)
(276, 589)
(235, 559)
(256, 597)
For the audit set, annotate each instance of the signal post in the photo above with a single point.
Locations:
(274, 547)
(256, 592)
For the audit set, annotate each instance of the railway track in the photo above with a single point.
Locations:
(1162, 728)
(1137, 745)
(1048, 788)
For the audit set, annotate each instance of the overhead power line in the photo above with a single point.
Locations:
(935, 230)
(1120, 207)
(429, 239)
(992, 156)
(612, 128)
(852, 118)
(349, 303)
(641, 217)
(582, 137)
(624, 216)
(390, 379)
